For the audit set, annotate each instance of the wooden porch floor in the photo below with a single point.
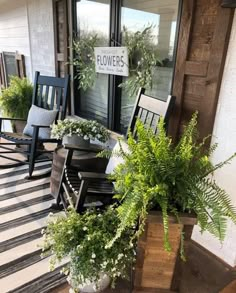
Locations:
(203, 272)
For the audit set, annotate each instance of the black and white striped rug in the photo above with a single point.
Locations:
(24, 207)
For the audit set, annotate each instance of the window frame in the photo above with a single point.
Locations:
(114, 92)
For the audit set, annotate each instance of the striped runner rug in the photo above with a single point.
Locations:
(24, 207)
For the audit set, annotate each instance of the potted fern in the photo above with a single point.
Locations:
(156, 183)
(15, 101)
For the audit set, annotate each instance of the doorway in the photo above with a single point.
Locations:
(106, 102)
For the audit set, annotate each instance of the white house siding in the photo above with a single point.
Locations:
(26, 26)
(225, 135)
(40, 18)
(14, 34)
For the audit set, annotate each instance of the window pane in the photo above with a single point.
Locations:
(93, 19)
(162, 17)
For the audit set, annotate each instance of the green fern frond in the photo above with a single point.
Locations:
(157, 173)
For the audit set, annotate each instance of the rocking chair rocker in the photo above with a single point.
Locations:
(48, 103)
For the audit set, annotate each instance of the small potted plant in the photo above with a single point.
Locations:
(156, 183)
(79, 132)
(15, 101)
(83, 238)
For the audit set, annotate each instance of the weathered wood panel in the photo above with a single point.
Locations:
(203, 40)
(61, 36)
(155, 268)
(182, 53)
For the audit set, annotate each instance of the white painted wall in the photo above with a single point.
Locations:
(225, 135)
(26, 26)
(40, 19)
(14, 34)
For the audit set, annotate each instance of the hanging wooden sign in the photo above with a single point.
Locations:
(112, 60)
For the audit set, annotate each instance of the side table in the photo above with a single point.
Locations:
(85, 161)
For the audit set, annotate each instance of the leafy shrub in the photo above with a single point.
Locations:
(15, 101)
(83, 239)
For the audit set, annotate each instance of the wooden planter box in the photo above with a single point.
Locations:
(157, 270)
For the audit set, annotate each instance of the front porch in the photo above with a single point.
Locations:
(24, 207)
(200, 72)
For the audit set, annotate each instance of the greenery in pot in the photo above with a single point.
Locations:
(83, 238)
(15, 101)
(171, 178)
(88, 129)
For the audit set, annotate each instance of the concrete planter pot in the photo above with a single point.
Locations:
(155, 267)
(92, 287)
(76, 140)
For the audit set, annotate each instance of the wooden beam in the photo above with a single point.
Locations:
(181, 56)
(215, 69)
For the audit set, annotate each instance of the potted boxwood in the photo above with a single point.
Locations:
(15, 101)
(82, 238)
(156, 183)
(79, 132)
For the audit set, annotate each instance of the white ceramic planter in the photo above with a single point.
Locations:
(76, 140)
(101, 285)
(92, 287)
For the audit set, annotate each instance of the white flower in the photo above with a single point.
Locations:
(89, 238)
(68, 279)
(93, 255)
(85, 228)
(120, 255)
(92, 260)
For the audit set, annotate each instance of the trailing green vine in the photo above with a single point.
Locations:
(84, 60)
(142, 57)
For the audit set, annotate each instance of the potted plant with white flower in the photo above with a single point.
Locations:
(79, 132)
(83, 238)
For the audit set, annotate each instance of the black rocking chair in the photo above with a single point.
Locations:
(82, 186)
(49, 93)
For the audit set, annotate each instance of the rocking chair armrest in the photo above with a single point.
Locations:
(40, 126)
(93, 176)
(12, 119)
(90, 149)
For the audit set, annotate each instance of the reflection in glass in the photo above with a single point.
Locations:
(93, 19)
(161, 16)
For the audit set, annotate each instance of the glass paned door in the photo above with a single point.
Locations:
(105, 101)
(93, 19)
(161, 16)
